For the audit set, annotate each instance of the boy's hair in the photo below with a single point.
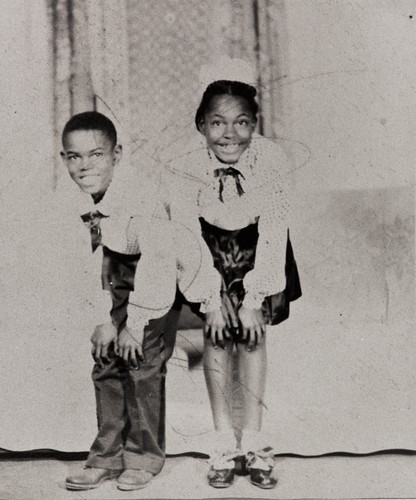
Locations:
(91, 120)
(226, 87)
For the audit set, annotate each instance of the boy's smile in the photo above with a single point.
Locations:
(228, 126)
(90, 158)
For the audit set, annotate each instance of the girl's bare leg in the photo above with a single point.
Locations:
(218, 370)
(252, 370)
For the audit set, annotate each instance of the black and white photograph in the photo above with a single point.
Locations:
(207, 233)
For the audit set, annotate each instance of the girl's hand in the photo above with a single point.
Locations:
(101, 339)
(130, 347)
(253, 326)
(216, 328)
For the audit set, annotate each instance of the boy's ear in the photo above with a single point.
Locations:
(118, 153)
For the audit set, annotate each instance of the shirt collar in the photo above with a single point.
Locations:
(243, 164)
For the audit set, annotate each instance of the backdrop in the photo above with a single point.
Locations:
(337, 92)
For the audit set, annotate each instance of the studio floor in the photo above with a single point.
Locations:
(387, 476)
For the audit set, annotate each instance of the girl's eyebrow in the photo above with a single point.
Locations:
(221, 116)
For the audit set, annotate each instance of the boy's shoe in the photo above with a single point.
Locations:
(221, 472)
(90, 478)
(134, 479)
(260, 467)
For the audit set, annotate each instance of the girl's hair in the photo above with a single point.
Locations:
(226, 87)
(91, 120)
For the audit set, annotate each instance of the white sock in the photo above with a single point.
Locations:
(252, 441)
(222, 442)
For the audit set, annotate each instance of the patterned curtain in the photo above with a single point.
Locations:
(90, 61)
(138, 61)
(256, 32)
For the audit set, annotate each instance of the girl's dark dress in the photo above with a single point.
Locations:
(234, 254)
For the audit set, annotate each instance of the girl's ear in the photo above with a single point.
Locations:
(201, 126)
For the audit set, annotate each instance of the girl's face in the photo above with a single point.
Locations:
(228, 125)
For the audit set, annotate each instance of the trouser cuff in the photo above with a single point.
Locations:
(105, 463)
(143, 462)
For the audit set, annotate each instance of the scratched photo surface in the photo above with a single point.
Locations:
(336, 84)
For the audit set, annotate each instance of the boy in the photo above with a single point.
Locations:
(130, 360)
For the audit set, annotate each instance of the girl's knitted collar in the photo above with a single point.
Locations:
(245, 163)
(200, 162)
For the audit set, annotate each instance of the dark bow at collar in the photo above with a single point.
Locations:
(92, 221)
(223, 172)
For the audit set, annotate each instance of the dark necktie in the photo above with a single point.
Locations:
(222, 172)
(92, 221)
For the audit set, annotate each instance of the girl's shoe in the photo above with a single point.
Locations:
(221, 472)
(260, 467)
(240, 468)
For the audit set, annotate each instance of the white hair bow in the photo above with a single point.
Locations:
(226, 68)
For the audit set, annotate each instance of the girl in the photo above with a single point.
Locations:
(234, 186)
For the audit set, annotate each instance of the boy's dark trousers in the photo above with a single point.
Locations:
(131, 403)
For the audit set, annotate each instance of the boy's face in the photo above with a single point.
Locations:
(90, 158)
(228, 126)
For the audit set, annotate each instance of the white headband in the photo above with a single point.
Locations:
(225, 68)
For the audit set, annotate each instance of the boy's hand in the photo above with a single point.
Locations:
(130, 347)
(216, 328)
(101, 339)
(253, 326)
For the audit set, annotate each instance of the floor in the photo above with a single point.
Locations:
(391, 476)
